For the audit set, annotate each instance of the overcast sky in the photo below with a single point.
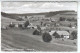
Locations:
(36, 7)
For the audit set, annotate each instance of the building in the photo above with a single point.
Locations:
(60, 33)
(64, 33)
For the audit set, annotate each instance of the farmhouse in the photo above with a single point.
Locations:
(64, 33)
(60, 33)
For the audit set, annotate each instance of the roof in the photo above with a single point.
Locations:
(51, 33)
(59, 32)
(62, 32)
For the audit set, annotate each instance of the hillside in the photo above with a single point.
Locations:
(46, 14)
(6, 21)
(50, 14)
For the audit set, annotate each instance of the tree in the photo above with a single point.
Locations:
(41, 23)
(62, 36)
(71, 37)
(25, 16)
(61, 19)
(44, 24)
(70, 25)
(12, 25)
(39, 28)
(26, 24)
(74, 35)
(46, 37)
(75, 24)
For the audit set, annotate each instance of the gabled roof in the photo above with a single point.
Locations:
(62, 32)
(52, 32)
(59, 32)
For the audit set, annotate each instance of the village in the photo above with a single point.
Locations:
(60, 28)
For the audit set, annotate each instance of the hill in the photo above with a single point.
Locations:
(46, 14)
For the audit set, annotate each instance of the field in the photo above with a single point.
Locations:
(23, 39)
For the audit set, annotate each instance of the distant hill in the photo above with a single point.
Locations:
(47, 14)
(60, 12)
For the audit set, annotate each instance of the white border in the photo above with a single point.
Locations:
(0, 27)
(39, 0)
(78, 27)
(52, 52)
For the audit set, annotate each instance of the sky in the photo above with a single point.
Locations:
(36, 7)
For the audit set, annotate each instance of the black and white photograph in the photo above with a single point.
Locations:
(39, 26)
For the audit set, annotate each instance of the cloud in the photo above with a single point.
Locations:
(32, 7)
(51, 5)
(26, 5)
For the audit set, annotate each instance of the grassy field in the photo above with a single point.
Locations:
(21, 39)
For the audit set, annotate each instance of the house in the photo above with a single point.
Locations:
(32, 26)
(64, 33)
(43, 28)
(60, 33)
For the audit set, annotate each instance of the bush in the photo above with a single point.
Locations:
(62, 36)
(36, 32)
(46, 37)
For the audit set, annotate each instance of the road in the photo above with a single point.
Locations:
(23, 39)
